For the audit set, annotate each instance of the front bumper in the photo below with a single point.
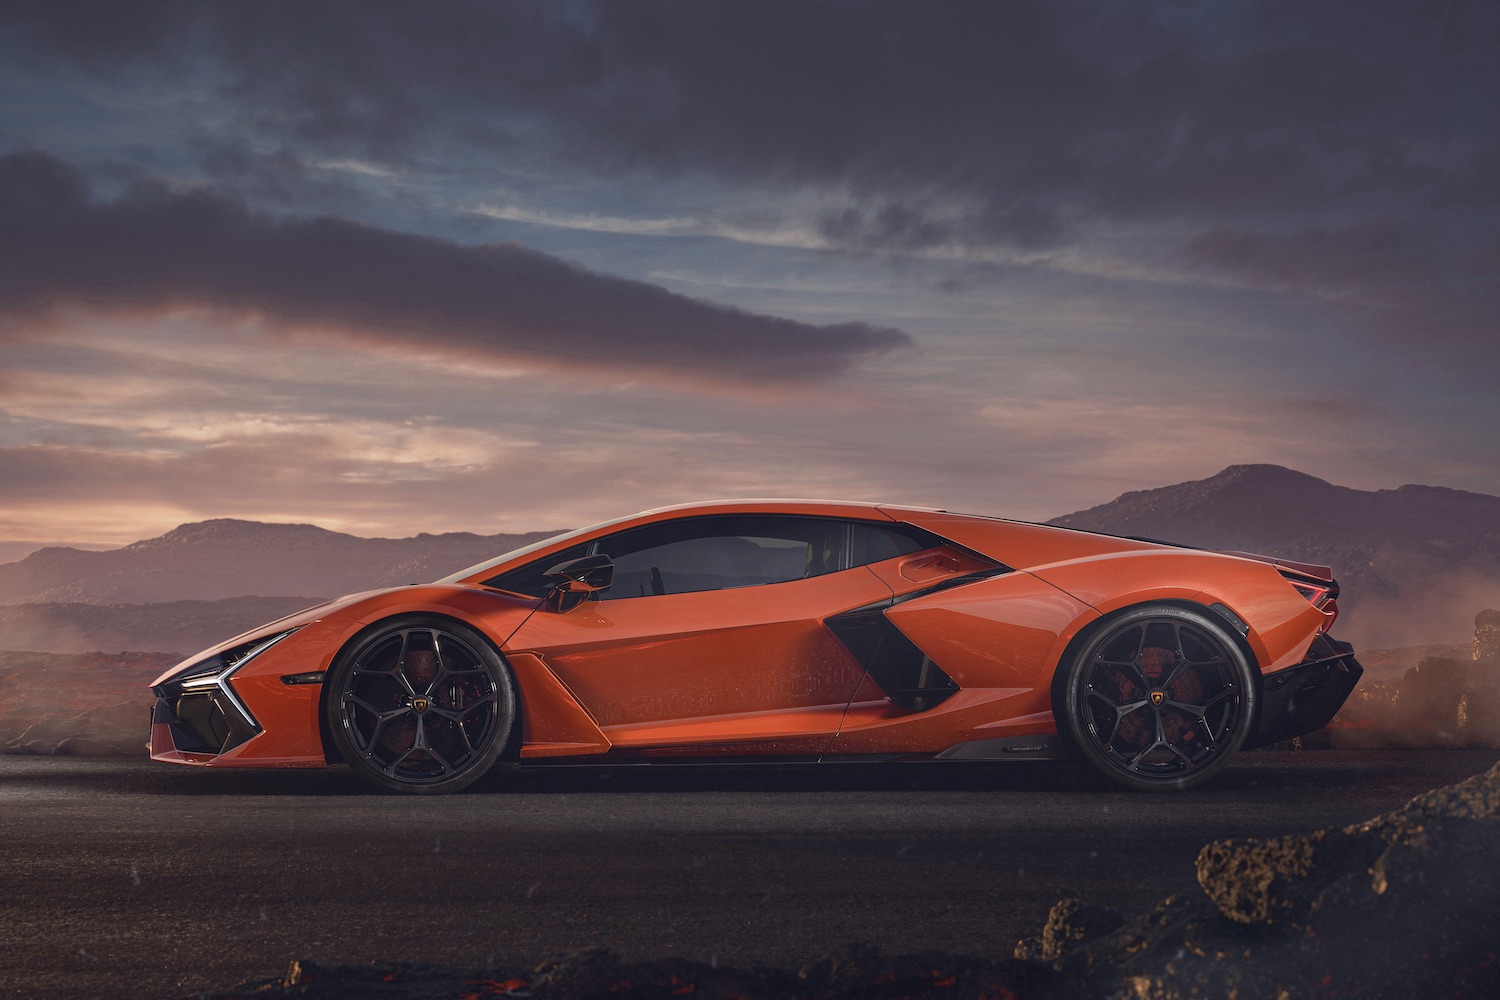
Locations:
(258, 709)
(1305, 698)
(198, 726)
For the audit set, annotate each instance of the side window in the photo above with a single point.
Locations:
(529, 579)
(870, 543)
(719, 553)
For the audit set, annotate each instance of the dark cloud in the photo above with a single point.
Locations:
(1348, 261)
(1473, 182)
(967, 122)
(158, 247)
(103, 35)
(983, 101)
(1411, 289)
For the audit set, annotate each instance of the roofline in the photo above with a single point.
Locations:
(806, 502)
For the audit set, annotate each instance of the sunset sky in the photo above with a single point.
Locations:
(395, 267)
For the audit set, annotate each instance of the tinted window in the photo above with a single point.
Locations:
(717, 553)
(529, 579)
(721, 552)
(873, 542)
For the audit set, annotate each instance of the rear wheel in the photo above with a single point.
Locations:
(1158, 698)
(420, 705)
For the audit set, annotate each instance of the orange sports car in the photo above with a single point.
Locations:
(789, 630)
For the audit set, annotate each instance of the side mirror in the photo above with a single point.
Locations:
(576, 580)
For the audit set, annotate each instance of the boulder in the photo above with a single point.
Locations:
(1404, 904)
(1071, 923)
(1487, 635)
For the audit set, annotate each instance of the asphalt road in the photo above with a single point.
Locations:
(133, 879)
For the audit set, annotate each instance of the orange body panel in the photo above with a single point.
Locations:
(553, 724)
(1018, 544)
(879, 727)
(1109, 573)
(994, 633)
(758, 669)
(710, 666)
(923, 569)
(1285, 623)
(990, 637)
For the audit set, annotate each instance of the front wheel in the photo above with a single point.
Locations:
(420, 705)
(1157, 698)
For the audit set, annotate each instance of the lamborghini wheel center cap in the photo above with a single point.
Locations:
(420, 704)
(1158, 696)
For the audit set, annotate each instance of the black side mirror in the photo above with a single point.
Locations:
(576, 580)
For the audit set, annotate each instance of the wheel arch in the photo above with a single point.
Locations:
(330, 750)
(1087, 633)
(1211, 610)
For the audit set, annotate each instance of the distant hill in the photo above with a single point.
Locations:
(1415, 563)
(212, 560)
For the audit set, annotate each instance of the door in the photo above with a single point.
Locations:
(711, 638)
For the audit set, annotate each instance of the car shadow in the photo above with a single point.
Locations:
(1252, 772)
(117, 775)
(904, 776)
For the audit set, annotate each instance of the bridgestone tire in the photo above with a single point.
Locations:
(421, 705)
(1156, 698)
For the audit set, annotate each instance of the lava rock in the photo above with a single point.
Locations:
(1407, 903)
(1070, 923)
(1487, 635)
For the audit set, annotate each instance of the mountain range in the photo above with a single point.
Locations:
(1415, 563)
(211, 560)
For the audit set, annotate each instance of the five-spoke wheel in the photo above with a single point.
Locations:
(1157, 698)
(420, 705)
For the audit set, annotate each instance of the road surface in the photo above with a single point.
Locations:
(130, 878)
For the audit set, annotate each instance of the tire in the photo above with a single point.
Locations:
(1156, 698)
(421, 705)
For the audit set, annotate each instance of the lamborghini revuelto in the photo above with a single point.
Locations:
(787, 630)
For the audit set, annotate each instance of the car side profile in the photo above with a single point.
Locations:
(783, 630)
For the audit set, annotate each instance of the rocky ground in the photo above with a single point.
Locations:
(1405, 904)
(1402, 905)
(1441, 701)
(90, 704)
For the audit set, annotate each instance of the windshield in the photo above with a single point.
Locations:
(526, 550)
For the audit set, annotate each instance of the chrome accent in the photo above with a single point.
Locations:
(222, 680)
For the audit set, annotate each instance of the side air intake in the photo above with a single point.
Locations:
(905, 673)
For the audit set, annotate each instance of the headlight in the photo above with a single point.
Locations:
(210, 677)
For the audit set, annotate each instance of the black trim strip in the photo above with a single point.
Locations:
(312, 677)
(953, 581)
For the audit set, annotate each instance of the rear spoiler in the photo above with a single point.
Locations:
(1312, 571)
(1323, 574)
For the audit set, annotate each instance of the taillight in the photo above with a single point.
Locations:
(1314, 593)
(1323, 596)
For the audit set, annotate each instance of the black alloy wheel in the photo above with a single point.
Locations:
(1157, 698)
(420, 705)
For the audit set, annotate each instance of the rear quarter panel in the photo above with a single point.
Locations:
(999, 639)
(1109, 573)
(1282, 622)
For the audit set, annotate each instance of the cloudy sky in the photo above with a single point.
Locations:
(391, 267)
